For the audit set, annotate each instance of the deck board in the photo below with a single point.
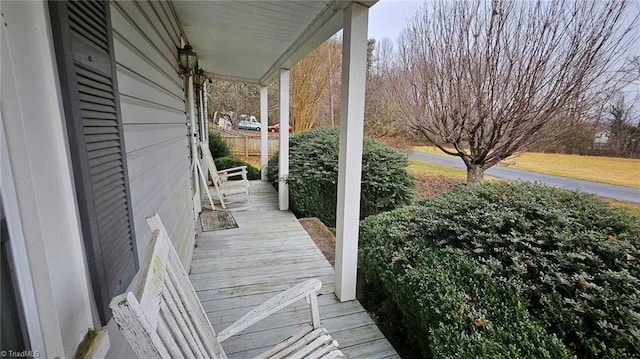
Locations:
(236, 269)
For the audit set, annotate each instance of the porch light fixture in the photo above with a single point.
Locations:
(198, 77)
(187, 58)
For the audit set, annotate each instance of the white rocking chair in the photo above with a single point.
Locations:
(220, 179)
(164, 318)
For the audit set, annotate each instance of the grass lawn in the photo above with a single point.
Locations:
(430, 176)
(252, 160)
(611, 170)
(629, 207)
(432, 150)
(433, 179)
(430, 181)
(424, 169)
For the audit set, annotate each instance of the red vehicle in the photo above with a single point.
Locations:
(276, 128)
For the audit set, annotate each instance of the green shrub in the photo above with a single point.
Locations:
(217, 145)
(524, 255)
(313, 176)
(224, 163)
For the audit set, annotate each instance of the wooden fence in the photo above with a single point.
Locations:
(249, 145)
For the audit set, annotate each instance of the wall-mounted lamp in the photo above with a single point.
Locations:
(187, 59)
(199, 77)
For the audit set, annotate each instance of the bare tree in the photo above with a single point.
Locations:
(330, 109)
(379, 100)
(310, 82)
(624, 126)
(233, 99)
(480, 79)
(315, 76)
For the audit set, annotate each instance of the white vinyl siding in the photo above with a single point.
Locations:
(146, 37)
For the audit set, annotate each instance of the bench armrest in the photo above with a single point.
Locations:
(233, 172)
(239, 169)
(305, 289)
(224, 175)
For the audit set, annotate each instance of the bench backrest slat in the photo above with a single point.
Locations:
(165, 318)
(211, 164)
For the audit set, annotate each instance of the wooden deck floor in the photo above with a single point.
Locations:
(234, 270)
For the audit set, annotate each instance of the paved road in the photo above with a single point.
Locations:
(621, 193)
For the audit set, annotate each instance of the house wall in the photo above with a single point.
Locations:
(152, 100)
(37, 186)
(146, 37)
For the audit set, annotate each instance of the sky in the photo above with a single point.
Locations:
(388, 18)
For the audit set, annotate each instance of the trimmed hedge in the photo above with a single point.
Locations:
(313, 176)
(224, 163)
(217, 145)
(533, 264)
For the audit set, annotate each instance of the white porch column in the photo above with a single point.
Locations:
(197, 203)
(264, 123)
(205, 93)
(203, 138)
(354, 63)
(283, 170)
(203, 114)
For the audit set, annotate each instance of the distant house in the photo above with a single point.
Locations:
(102, 117)
(601, 137)
(224, 123)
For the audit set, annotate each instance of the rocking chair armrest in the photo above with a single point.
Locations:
(233, 172)
(305, 289)
(238, 169)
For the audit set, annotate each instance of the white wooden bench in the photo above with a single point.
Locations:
(226, 189)
(163, 317)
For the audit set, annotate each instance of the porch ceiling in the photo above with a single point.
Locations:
(250, 40)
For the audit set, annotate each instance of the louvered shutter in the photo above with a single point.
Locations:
(84, 52)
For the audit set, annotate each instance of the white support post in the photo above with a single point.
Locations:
(283, 169)
(205, 93)
(203, 115)
(203, 168)
(197, 204)
(354, 63)
(264, 123)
